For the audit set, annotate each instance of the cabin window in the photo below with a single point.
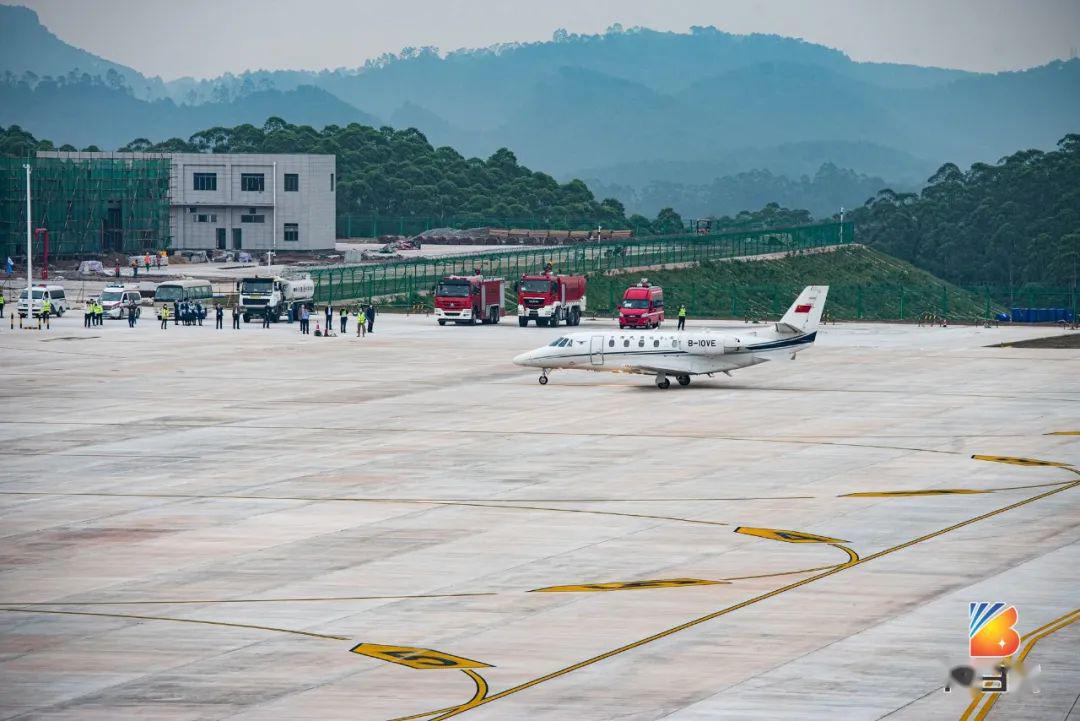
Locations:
(674, 343)
(611, 343)
(641, 342)
(626, 343)
(656, 343)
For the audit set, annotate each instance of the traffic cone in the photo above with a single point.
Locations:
(318, 332)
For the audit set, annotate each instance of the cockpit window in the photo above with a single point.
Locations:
(560, 342)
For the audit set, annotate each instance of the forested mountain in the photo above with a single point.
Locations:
(27, 46)
(85, 110)
(626, 96)
(1009, 223)
(823, 193)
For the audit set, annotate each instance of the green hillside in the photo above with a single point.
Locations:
(864, 284)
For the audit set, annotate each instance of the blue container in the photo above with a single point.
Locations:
(1059, 315)
(1045, 315)
(1018, 315)
(1029, 315)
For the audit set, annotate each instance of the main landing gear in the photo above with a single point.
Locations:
(543, 379)
(663, 383)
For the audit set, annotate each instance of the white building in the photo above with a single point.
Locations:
(241, 201)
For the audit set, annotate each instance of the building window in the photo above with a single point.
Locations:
(252, 182)
(331, 182)
(193, 209)
(292, 231)
(292, 182)
(252, 218)
(206, 218)
(205, 181)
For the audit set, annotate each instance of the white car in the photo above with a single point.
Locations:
(55, 295)
(115, 299)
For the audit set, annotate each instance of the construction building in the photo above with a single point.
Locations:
(134, 202)
(88, 206)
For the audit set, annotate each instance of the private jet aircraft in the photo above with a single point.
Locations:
(683, 353)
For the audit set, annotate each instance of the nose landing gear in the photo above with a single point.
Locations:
(543, 379)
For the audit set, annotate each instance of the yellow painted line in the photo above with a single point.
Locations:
(1063, 433)
(180, 620)
(780, 534)
(627, 585)
(1032, 638)
(413, 657)
(478, 695)
(1017, 461)
(750, 601)
(937, 492)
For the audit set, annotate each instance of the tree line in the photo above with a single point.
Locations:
(1013, 223)
(398, 173)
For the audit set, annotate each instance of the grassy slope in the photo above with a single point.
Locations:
(864, 284)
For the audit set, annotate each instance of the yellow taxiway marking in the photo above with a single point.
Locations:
(180, 620)
(478, 695)
(852, 562)
(1033, 638)
(627, 585)
(779, 534)
(1063, 433)
(1013, 460)
(421, 658)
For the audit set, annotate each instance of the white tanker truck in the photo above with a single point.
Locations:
(273, 295)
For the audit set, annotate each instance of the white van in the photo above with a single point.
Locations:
(174, 291)
(55, 294)
(114, 300)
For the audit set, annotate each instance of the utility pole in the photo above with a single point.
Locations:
(29, 249)
(841, 225)
(273, 231)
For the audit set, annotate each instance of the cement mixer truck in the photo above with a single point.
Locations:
(273, 295)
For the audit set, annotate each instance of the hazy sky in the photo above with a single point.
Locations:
(203, 38)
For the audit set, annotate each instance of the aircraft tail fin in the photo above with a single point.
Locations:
(804, 315)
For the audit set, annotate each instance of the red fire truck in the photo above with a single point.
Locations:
(551, 299)
(469, 299)
(642, 306)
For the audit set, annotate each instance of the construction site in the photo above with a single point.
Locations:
(87, 206)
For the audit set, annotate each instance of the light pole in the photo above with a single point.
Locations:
(841, 225)
(273, 230)
(29, 249)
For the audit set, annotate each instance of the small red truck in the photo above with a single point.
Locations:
(551, 299)
(642, 306)
(469, 299)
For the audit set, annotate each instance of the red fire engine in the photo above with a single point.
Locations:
(551, 299)
(469, 299)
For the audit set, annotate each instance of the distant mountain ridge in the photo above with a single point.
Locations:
(710, 103)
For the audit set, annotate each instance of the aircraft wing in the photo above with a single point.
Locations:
(654, 370)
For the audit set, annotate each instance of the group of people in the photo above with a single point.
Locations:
(363, 317)
(93, 313)
(189, 312)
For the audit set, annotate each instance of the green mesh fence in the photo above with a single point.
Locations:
(88, 205)
(416, 277)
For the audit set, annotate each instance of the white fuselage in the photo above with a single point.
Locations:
(666, 353)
